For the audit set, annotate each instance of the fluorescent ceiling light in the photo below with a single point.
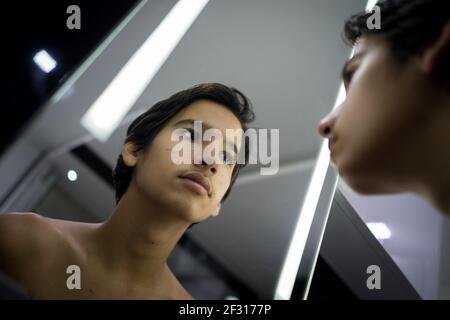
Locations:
(379, 230)
(72, 175)
(296, 248)
(116, 100)
(44, 61)
(371, 4)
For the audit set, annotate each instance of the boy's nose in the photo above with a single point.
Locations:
(325, 127)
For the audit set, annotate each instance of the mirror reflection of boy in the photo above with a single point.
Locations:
(125, 257)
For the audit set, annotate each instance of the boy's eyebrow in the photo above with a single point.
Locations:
(206, 126)
(349, 61)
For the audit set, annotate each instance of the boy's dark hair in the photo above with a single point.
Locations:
(144, 128)
(409, 26)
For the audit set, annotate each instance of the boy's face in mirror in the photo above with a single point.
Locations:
(158, 178)
(380, 132)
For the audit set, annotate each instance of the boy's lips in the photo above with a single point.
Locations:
(199, 180)
(331, 143)
(332, 148)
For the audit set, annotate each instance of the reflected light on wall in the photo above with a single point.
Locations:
(379, 230)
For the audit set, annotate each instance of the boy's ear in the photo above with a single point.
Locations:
(436, 54)
(216, 211)
(129, 155)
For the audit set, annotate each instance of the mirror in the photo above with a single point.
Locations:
(286, 57)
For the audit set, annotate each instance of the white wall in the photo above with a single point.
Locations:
(415, 244)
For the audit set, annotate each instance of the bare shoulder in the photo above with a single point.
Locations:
(27, 236)
(17, 219)
(19, 227)
(33, 245)
(22, 233)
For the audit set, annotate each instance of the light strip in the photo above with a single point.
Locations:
(116, 100)
(296, 248)
(295, 252)
(371, 4)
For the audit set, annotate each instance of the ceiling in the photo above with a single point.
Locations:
(43, 26)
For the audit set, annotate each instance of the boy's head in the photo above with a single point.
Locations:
(394, 120)
(408, 26)
(146, 166)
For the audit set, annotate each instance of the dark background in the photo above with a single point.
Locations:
(27, 28)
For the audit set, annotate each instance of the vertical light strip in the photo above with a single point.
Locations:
(296, 248)
(370, 4)
(119, 96)
(295, 252)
